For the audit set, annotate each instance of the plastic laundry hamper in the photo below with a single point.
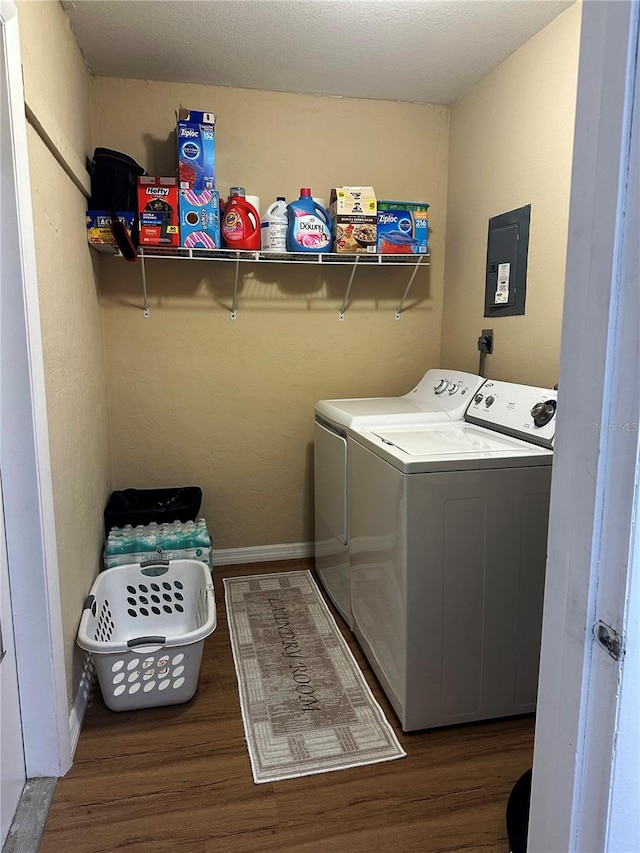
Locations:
(145, 625)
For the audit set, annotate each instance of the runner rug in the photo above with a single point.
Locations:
(305, 704)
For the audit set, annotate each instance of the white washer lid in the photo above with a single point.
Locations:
(376, 410)
(441, 395)
(456, 446)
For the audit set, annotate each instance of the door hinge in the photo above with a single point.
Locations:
(609, 639)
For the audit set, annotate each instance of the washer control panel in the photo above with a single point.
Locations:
(524, 411)
(445, 389)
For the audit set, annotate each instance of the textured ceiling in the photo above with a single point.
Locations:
(427, 51)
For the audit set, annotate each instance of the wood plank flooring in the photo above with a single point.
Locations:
(178, 780)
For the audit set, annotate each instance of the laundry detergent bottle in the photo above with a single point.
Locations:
(273, 228)
(241, 222)
(309, 228)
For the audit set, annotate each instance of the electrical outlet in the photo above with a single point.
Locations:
(487, 334)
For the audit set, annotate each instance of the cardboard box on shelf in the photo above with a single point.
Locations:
(200, 219)
(99, 233)
(158, 211)
(196, 150)
(403, 227)
(353, 212)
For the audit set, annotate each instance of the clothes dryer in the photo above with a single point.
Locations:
(441, 395)
(448, 533)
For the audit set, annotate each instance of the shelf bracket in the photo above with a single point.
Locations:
(144, 287)
(346, 296)
(408, 288)
(235, 288)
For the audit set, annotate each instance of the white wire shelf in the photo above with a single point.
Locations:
(279, 257)
(413, 262)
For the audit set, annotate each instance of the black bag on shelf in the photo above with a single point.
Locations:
(114, 187)
(142, 506)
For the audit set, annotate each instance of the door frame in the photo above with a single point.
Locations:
(25, 459)
(582, 775)
(12, 764)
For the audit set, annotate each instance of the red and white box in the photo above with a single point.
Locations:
(158, 211)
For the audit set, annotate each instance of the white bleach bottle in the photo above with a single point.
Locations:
(273, 228)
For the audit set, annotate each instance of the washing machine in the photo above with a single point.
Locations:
(448, 535)
(441, 395)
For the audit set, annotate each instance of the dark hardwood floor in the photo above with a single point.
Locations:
(177, 779)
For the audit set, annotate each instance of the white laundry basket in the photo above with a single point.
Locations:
(145, 625)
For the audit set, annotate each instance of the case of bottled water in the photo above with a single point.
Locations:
(178, 540)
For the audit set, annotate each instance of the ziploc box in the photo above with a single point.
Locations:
(99, 233)
(200, 219)
(353, 218)
(196, 150)
(403, 227)
(158, 211)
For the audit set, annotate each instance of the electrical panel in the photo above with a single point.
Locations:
(507, 252)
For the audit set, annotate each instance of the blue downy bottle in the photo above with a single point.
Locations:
(309, 228)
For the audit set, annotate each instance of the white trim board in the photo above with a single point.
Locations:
(81, 702)
(584, 775)
(26, 469)
(261, 553)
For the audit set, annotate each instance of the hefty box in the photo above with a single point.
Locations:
(353, 212)
(158, 211)
(196, 150)
(403, 227)
(200, 219)
(99, 233)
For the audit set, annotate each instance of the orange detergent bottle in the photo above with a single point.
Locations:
(240, 223)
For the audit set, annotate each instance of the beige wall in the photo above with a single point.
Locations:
(57, 88)
(196, 398)
(511, 145)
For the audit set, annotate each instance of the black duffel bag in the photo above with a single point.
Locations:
(114, 187)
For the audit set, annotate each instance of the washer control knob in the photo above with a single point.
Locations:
(543, 412)
(441, 386)
(453, 387)
(489, 401)
(478, 398)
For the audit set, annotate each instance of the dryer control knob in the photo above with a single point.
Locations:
(489, 401)
(441, 386)
(543, 412)
(478, 398)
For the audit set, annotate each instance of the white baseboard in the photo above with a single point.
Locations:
(76, 717)
(262, 553)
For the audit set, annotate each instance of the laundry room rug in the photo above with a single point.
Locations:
(306, 706)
